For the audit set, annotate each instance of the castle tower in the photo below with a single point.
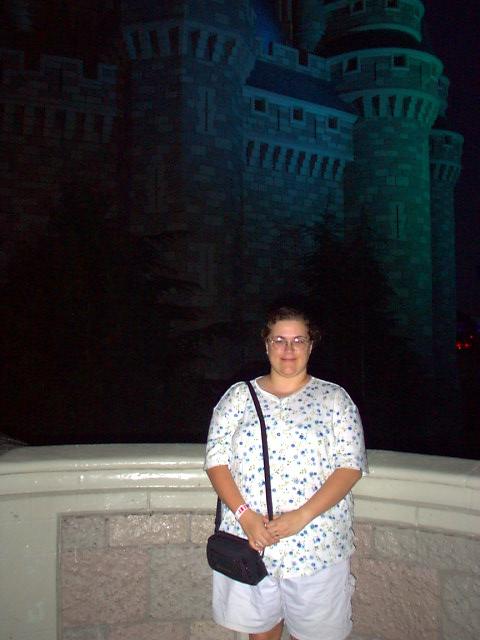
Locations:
(379, 65)
(445, 156)
(308, 24)
(188, 65)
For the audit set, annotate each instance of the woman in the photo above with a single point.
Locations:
(317, 454)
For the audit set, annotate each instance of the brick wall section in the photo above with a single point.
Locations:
(410, 584)
(54, 123)
(145, 576)
(139, 576)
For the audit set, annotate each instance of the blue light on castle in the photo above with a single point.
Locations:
(241, 125)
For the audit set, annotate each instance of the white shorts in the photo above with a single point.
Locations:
(313, 607)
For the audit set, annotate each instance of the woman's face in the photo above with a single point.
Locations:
(288, 360)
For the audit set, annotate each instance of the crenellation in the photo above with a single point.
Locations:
(288, 57)
(342, 17)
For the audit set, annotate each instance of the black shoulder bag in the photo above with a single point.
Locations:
(232, 555)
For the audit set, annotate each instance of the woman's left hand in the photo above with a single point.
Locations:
(287, 524)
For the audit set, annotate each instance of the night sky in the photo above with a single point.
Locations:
(453, 27)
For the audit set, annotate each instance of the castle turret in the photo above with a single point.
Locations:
(309, 24)
(188, 66)
(378, 64)
(445, 157)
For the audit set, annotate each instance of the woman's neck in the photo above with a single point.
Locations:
(281, 386)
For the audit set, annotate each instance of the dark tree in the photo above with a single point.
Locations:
(361, 349)
(86, 318)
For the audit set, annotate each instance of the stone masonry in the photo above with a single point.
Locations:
(238, 136)
(145, 575)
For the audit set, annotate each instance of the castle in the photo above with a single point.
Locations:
(242, 124)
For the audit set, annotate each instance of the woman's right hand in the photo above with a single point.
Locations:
(253, 524)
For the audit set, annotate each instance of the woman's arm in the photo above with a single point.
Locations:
(251, 522)
(330, 493)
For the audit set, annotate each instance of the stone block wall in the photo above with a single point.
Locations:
(295, 155)
(136, 576)
(143, 576)
(415, 584)
(55, 123)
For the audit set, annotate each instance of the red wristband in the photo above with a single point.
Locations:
(241, 510)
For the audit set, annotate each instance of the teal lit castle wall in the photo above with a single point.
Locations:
(238, 127)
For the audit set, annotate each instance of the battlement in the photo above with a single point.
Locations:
(13, 64)
(445, 155)
(159, 39)
(56, 99)
(388, 67)
(296, 160)
(292, 58)
(443, 86)
(361, 15)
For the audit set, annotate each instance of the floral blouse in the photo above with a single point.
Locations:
(310, 433)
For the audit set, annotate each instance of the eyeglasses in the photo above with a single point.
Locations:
(298, 343)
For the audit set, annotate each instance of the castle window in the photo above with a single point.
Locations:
(359, 106)
(194, 40)
(136, 44)
(298, 115)
(358, 6)
(80, 119)
(335, 168)
(448, 140)
(351, 65)
(407, 105)
(418, 108)
(60, 120)
(392, 4)
(400, 61)
(18, 119)
(228, 49)
(98, 124)
(260, 105)
(332, 123)
(206, 110)
(392, 102)
(211, 46)
(396, 228)
(303, 57)
(154, 42)
(174, 40)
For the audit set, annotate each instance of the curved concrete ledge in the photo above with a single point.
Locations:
(164, 486)
(412, 489)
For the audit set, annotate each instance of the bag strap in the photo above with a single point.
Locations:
(266, 462)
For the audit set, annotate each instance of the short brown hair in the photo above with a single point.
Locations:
(291, 313)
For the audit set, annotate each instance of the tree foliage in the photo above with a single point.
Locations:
(361, 348)
(87, 319)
